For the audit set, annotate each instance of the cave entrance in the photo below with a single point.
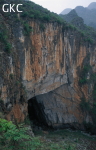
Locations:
(36, 113)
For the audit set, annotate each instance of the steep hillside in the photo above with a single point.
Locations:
(78, 22)
(87, 14)
(92, 5)
(70, 16)
(66, 11)
(46, 63)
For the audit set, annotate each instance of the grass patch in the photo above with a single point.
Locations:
(4, 39)
(85, 106)
(83, 77)
(63, 139)
(27, 29)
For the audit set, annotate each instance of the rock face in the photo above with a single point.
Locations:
(49, 64)
(56, 109)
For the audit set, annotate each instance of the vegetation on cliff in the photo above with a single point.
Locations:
(88, 33)
(4, 38)
(32, 11)
(87, 76)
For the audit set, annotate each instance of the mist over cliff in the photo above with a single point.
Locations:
(87, 13)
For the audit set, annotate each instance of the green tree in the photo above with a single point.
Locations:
(14, 137)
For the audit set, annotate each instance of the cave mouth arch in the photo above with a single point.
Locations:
(36, 113)
(49, 110)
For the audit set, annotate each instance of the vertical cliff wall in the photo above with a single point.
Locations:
(50, 59)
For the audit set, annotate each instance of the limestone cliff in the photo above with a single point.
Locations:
(47, 61)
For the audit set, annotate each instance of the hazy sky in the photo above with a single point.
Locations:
(58, 6)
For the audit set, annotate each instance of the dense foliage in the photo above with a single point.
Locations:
(32, 11)
(14, 137)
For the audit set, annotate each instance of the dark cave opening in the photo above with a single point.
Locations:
(43, 119)
(36, 113)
